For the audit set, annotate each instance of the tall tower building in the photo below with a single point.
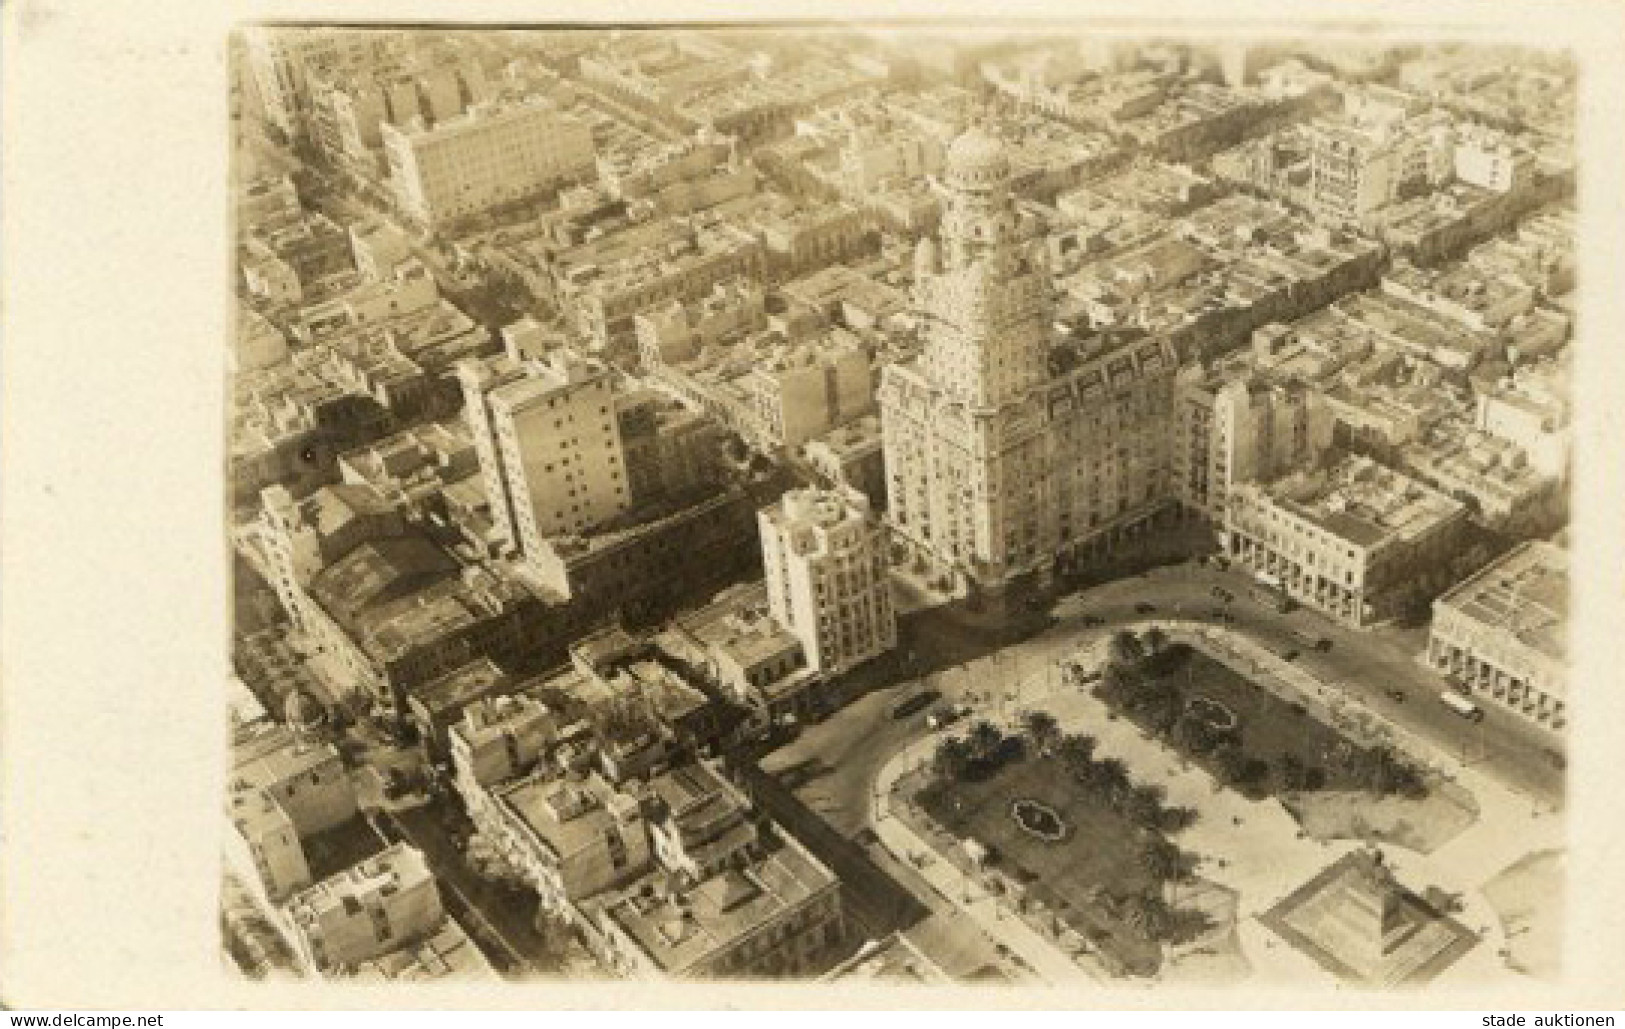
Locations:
(963, 431)
(825, 560)
(549, 443)
(996, 466)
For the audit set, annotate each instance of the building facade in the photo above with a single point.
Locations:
(826, 565)
(1240, 428)
(559, 446)
(1351, 540)
(996, 466)
(485, 158)
(382, 904)
(1501, 635)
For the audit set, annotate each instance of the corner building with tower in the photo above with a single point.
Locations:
(1007, 447)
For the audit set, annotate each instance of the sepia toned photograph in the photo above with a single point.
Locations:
(897, 506)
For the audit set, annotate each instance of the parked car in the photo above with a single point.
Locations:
(1290, 654)
(1092, 620)
(1145, 608)
(1395, 694)
(1323, 644)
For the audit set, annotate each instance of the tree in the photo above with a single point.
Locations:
(1143, 804)
(1077, 751)
(1116, 684)
(1161, 860)
(1232, 764)
(1156, 640)
(1176, 819)
(984, 739)
(1042, 730)
(1111, 778)
(1292, 772)
(486, 860)
(1124, 649)
(1148, 913)
(951, 759)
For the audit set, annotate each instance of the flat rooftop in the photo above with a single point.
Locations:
(681, 931)
(1524, 594)
(1365, 503)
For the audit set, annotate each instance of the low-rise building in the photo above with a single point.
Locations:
(376, 907)
(499, 738)
(379, 247)
(412, 469)
(281, 792)
(1530, 409)
(852, 455)
(1354, 540)
(1495, 478)
(725, 903)
(1501, 635)
(756, 661)
(437, 705)
(572, 835)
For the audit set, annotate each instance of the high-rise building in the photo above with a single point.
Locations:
(825, 560)
(484, 158)
(478, 378)
(995, 464)
(1232, 427)
(558, 449)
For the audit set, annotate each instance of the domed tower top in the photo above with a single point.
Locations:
(977, 160)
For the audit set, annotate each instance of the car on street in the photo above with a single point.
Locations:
(1223, 594)
(1145, 608)
(943, 718)
(1290, 654)
(1461, 706)
(1395, 694)
(1092, 620)
(1323, 644)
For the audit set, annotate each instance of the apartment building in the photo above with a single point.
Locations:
(1232, 425)
(1350, 539)
(825, 559)
(487, 157)
(380, 905)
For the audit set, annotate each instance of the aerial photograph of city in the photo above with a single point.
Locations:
(897, 506)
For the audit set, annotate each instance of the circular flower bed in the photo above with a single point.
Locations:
(1039, 820)
(1213, 713)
